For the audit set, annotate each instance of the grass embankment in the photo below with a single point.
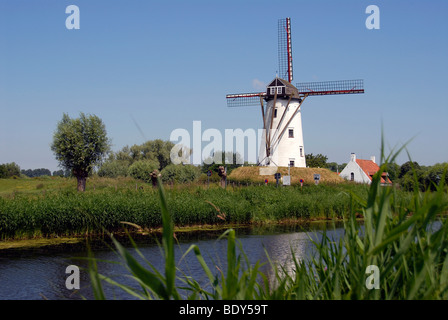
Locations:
(57, 210)
(10, 188)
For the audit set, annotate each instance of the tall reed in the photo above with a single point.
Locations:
(67, 213)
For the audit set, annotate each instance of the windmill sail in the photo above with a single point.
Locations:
(331, 87)
(245, 99)
(285, 49)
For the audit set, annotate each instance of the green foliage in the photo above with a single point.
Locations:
(36, 172)
(80, 144)
(333, 166)
(153, 150)
(407, 167)
(65, 212)
(114, 169)
(9, 170)
(61, 173)
(316, 161)
(219, 158)
(142, 169)
(412, 176)
(393, 170)
(435, 175)
(138, 160)
(180, 173)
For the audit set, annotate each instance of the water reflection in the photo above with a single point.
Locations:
(41, 275)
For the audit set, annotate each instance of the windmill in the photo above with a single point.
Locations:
(282, 139)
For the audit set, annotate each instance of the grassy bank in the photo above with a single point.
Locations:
(61, 211)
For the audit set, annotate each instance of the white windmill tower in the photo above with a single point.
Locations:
(282, 140)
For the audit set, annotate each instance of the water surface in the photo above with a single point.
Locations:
(40, 273)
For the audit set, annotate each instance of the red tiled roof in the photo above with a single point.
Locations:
(370, 168)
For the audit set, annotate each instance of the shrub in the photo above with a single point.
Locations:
(9, 170)
(142, 169)
(114, 169)
(180, 173)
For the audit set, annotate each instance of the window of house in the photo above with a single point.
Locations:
(279, 90)
(272, 90)
(291, 133)
(352, 176)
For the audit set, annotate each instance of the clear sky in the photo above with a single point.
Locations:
(160, 65)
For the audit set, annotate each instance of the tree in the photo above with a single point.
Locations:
(36, 172)
(226, 159)
(159, 150)
(434, 175)
(142, 169)
(153, 150)
(114, 169)
(80, 144)
(411, 176)
(9, 170)
(316, 161)
(180, 173)
(407, 167)
(393, 170)
(333, 166)
(59, 173)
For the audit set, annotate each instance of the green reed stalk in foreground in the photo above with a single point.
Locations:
(406, 240)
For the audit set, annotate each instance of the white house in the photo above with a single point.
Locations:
(362, 171)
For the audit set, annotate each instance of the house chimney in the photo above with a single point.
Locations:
(353, 157)
(372, 158)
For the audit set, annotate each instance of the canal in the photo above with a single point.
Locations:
(35, 274)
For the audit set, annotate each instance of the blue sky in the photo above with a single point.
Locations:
(166, 64)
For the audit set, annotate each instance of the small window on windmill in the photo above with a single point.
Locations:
(275, 113)
(272, 90)
(291, 163)
(279, 90)
(301, 151)
(291, 133)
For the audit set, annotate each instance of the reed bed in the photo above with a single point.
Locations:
(69, 213)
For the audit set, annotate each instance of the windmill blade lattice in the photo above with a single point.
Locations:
(331, 87)
(245, 99)
(285, 49)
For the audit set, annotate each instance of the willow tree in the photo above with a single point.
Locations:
(80, 144)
